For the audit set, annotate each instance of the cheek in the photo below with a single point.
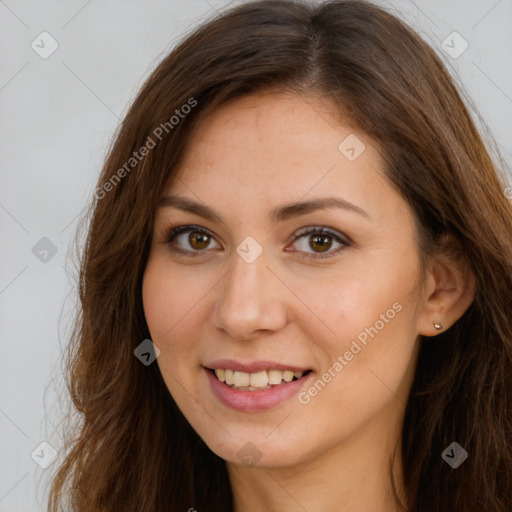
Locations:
(344, 306)
(366, 337)
(168, 299)
(162, 317)
(154, 297)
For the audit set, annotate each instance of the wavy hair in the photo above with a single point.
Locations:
(129, 448)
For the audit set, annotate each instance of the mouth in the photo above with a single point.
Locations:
(255, 386)
(256, 381)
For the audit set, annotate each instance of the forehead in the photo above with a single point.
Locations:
(270, 127)
(273, 148)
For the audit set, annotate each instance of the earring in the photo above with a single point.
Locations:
(438, 326)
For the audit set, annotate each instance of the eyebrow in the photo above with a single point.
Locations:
(278, 214)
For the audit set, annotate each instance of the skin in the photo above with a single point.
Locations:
(247, 157)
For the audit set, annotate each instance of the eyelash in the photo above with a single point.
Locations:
(173, 231)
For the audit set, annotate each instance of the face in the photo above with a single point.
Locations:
(326, 294)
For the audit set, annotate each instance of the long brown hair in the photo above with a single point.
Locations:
(131, 449)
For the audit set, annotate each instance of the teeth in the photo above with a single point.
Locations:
(229, 375)
(288, 376)
(259, 379)
(255, 381)
(242, 379)
(275, 377)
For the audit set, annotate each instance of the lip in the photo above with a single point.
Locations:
(253, 367)
(253, 401)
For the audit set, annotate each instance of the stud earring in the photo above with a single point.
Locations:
(438, 326)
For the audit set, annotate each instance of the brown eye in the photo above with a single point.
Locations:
(313, 242)
(321, 243)
(316, 242)
(197, 241)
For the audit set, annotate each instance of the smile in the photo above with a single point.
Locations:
(256, 381)
(255, 387)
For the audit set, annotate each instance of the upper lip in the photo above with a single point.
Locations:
(252, 367)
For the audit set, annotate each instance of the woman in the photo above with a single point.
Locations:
(295, 288)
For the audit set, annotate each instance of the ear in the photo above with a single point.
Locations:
(449, 288)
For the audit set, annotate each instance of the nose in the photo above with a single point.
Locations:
(250, 300)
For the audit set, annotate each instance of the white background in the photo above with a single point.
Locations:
(57, 116)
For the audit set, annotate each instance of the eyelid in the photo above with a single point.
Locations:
(340, 238)
(171, 232)
(321, 229)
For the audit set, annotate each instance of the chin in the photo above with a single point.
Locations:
(258, 451)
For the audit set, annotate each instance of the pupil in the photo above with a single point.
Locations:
(321, 239)
(198, 238)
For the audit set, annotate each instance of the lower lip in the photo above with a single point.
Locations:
(250, 401)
